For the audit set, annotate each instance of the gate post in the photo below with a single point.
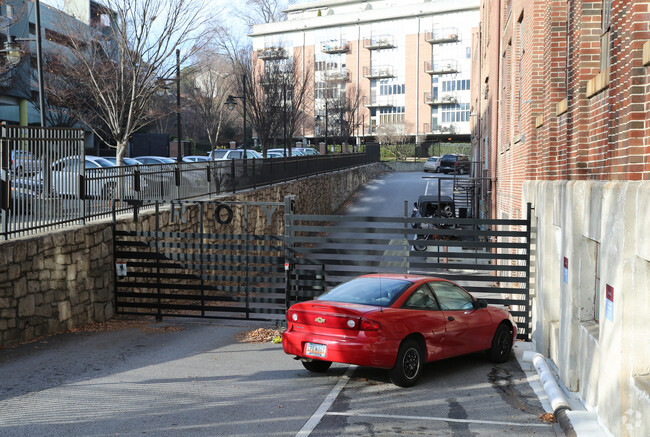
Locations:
(289, 205)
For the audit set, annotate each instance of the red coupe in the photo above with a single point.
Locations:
(396, 322)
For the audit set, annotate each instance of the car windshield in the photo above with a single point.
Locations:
(367, 291)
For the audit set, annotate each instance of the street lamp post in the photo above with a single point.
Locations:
(177, 79)
(230, 103)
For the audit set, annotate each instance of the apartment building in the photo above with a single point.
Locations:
(408, 60)
(18, 20)
(561, 90)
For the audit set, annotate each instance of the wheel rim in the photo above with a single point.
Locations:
(503, 343)
(411, 363)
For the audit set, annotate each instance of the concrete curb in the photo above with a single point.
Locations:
(559, 403)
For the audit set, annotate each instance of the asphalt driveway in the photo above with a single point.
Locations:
(192, 377)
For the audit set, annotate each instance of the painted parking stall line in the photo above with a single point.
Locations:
(315, 419)
(438, 419)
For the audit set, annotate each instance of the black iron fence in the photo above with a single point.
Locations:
(47, 182)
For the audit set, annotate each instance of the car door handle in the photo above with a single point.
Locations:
(451, 318)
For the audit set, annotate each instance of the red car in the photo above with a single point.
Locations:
(395, 322)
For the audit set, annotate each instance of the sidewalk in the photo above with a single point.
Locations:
(584, 423)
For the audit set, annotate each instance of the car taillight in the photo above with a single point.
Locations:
(292, 316)
(369, 325)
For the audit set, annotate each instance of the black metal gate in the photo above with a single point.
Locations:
(490, 258)
(203, 259)
(254, 259)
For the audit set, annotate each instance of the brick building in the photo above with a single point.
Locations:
(561, 90)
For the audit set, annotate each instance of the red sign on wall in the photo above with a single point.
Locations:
(610, 293)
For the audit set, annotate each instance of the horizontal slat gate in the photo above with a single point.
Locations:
(200, 274)
(490, 258)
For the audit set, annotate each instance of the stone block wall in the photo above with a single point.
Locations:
(62, 279)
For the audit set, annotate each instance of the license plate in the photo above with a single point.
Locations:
(316, 350)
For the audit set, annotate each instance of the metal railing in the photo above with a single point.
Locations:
(45, 188)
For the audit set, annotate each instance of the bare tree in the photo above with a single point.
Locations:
(208, 83)
(394, 137)
(343, 111)
(263, 11)
(119, 59)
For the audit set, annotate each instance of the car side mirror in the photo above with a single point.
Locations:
(480, 303)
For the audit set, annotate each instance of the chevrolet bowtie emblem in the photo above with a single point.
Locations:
(319, 320)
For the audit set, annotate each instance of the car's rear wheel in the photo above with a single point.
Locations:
(501, 345)
(420, 247)
(461, 171)
(408, 367)
(317, 366)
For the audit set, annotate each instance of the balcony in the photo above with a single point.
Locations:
(379, 42)
(380, 102)
(440, 130)
(381, 72)
(442, 67)
(334, 47)
(340, 75)
(446, 99)
(272, 53)
(442, 36)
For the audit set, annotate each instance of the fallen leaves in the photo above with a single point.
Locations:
(260, 335)
(547, 417)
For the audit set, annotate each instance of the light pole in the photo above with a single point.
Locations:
(230, 103)
(177, 79)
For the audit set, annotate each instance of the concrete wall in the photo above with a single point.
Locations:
(600, 346)
(57, 281)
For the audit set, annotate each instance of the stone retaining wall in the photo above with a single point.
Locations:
(56, 281)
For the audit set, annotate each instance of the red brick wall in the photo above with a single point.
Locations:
(604, 133)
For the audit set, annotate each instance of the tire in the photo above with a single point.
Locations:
(438, 170)
(501, 345)
(409, 364)
(317, 366)
(420, 247)
(461, 171)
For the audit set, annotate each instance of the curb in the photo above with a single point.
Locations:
(559, 403)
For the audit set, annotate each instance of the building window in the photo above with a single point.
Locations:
(605, 35)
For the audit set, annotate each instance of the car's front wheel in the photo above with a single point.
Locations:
(408, 367)
(317, 366)
(501, 345)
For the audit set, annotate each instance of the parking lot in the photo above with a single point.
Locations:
(192, 377)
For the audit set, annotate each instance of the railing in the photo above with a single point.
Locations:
(271, 53)
(442, 67)
(442, 36)
(380, 72)
(446, 99)
(338, 75)
(78, 195)
(379, 42)
(334, 47)
(380, 102)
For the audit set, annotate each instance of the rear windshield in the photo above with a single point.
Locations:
(368, 291)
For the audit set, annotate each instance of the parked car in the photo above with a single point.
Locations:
(270, 154)
(308, 150)
(101, 178)
(24, 163)
(154, 160)
(294, 152)
(196, 158)
(126, 160)
(454, 163)
(396, 322)
(223, 154)
(432, 164)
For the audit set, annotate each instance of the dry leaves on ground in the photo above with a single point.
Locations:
(548, 417)
(146, 326)
(260, 335)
